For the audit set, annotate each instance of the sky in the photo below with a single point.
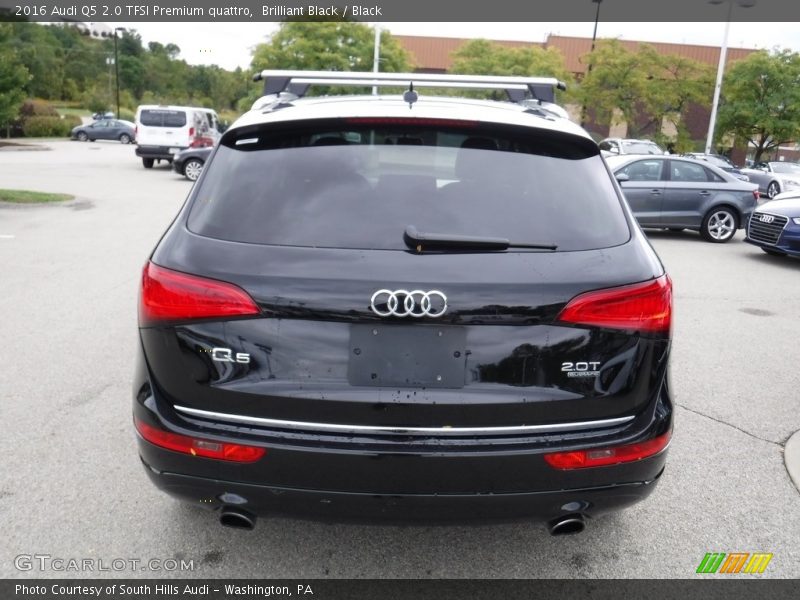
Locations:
(230, 44)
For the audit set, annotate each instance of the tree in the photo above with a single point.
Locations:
(327, 46)
(482, 57)
(13, 78)
(642, 87)
(761, 100)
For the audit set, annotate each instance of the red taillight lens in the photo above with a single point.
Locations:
(639, 307)
(168, 295)
(756, 195)
(191, 132)
(601, 457)
(198, 447)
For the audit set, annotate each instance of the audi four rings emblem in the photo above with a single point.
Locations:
(767, 218)
(404, 303)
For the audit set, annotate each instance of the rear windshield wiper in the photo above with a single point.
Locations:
(420, 241)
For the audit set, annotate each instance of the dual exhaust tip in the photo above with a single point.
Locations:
(567, 525)
(237, 518)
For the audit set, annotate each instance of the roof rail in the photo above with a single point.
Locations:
(297, 83)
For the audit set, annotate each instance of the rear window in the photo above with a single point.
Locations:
(360, 183)
(162, 118)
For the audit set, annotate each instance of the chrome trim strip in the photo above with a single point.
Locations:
(383, 430)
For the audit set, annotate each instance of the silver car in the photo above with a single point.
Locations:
(775, 177)
(674, 193)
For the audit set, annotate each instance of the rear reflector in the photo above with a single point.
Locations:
(198, 447)
(168, 295)
(601, 457)
(639, 307)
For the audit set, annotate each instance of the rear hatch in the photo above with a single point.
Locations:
(408, 274)
(163, 127)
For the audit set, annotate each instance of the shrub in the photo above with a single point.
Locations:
(37, 108)
(48, 126)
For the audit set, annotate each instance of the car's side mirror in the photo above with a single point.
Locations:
(622, 177)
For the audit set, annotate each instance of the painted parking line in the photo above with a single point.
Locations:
(6, 236)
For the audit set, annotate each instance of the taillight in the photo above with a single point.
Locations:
(639, 307)
(196, 446)
(168, 295)
(613, 455)
(756, 195)
(191, 132)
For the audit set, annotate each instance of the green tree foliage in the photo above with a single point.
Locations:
(327, 46)
(61, 65)
(13, 77)
(482, 57)
(643, 86)
(761, 100)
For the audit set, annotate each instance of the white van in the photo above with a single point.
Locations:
(163, 131)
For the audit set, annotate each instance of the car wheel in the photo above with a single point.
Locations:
(773, 189)
(192, 169)
(719, 225)
(148, 163)
(82, 137)
(125, 138)
(773, 252)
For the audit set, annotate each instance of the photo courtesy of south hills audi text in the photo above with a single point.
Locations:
(145, 590)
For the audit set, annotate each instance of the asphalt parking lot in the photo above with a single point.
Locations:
(72, 485)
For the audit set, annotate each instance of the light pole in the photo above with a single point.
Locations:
(723, 54)
(376, 55)
(594, 39)
(116, 64)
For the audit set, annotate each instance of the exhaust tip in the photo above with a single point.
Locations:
(237, 518)
(567, 525)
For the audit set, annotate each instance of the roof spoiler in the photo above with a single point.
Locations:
(518, 89)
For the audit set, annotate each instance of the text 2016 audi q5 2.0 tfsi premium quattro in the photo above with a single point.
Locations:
(399, 307)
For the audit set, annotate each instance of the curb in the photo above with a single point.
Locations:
(791, 457)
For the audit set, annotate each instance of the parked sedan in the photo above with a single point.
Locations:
(775, 225)
(775, 177)
(189, 162)
(674, 193)
(720, 162)
(613, 146)
(105, 129)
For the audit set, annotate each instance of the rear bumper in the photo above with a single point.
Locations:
(463, 480)
(159, 152)
(264, 500)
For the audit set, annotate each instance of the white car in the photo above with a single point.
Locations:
(163, 131)
(775, 177)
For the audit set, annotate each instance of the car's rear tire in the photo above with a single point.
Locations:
(82, 136)
(125, 138)
(192, 169)
(773, 252)
(773, 189)
(719, 225)
(148, 163)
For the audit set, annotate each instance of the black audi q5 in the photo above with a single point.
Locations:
(405, 307)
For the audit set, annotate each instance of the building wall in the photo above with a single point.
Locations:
(434, 55)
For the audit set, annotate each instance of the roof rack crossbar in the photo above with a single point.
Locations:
(298, 82)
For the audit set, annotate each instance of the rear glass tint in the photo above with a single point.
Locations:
(361, 183)
(162, 118)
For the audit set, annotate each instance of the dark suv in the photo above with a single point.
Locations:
(404, 307)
